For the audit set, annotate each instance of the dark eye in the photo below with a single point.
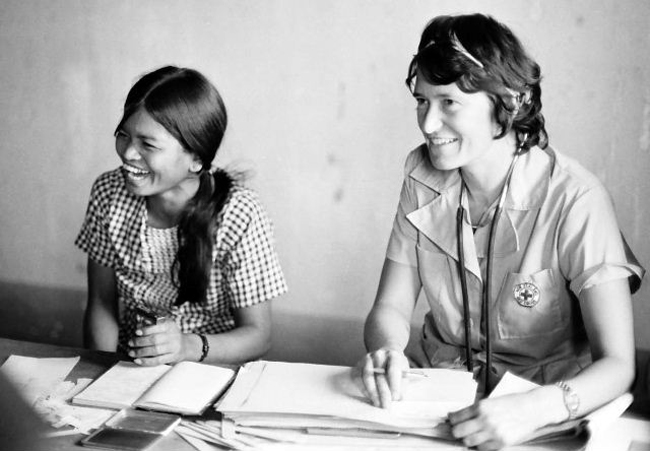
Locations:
(149, 146)
(420, 101)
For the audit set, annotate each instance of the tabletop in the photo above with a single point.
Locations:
(629, 433)
(91, 364)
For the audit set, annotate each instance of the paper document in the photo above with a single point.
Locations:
(36, 377)
(307, 395)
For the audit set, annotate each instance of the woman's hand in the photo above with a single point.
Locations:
(494, 423)
(379, 375)
(160, 343)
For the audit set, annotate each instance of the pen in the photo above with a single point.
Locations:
(405, 373)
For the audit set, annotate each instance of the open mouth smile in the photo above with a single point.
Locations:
(133, 172)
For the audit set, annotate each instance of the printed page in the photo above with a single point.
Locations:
(188, 388)
(120, 386)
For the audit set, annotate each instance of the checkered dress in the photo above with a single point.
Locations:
(246, 270)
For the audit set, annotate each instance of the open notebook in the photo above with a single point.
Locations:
(186, 388)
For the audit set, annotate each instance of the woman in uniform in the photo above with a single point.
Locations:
(515, 246)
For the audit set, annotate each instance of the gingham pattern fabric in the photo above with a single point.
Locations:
(246, 269)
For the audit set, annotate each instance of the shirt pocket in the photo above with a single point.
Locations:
(518, 317)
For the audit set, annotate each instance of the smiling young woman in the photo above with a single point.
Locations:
(167, 234)
(514, 245)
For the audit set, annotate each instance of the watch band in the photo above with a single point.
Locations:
(570, 398)
(205, 346)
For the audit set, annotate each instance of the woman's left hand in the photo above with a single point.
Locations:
(158, 344)
(494, 423)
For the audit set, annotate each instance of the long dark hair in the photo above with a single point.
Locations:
(479, 53)
(190, 108)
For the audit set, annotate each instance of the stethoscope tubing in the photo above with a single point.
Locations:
(485, 298)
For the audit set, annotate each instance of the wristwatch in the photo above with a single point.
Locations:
(571, 399)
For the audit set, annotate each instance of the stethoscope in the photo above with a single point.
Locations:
(485, 304)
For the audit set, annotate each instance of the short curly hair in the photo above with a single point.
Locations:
(478, 53)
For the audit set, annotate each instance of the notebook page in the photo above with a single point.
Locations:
(121, 385)
(188, 388)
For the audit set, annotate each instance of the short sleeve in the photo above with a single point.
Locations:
(252, 267)
(94, 238)
(403, 237)
(591, 247)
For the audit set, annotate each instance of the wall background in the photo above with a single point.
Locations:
(319, 119)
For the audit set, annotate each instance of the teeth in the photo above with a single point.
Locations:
(441, 141)
(134, 170)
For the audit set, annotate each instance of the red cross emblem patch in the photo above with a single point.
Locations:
(526, 294)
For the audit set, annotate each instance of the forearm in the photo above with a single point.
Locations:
(603, 381)
(100, 329)
(386, 328)
(242, 344)
(101, 318)
(545, 405)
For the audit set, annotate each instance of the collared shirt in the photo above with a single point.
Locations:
(245, 270)
(558, 232)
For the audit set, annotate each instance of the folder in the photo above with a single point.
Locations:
(309, 396)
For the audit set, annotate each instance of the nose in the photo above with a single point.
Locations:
(430, 120)
(128, 151)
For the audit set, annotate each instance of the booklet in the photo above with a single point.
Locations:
(187, 388)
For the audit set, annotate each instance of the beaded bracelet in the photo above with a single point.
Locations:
(205, 348)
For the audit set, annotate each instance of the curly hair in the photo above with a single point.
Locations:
(479, 53)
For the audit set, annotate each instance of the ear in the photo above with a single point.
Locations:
(196, 166)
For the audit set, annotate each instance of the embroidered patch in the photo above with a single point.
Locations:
(526, 294)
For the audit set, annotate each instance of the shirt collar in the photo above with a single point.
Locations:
(528, 186)
(437, 219)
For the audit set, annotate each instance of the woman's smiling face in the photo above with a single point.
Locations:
(154, 163)
(458, 127)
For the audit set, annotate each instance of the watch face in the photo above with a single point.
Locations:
(573, 402)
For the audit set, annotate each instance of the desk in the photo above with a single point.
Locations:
(91, 364)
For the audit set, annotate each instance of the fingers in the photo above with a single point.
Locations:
(156, 344)
(381, 375)
(396, 365)
(463, 415)
(475, 428)
(368, 385)
(161, 359)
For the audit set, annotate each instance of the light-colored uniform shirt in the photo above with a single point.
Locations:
(558, 231)
(245, 271)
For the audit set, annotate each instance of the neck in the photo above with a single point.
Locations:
(164, 209)
(484, 179)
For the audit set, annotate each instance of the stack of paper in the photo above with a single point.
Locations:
(277, 398)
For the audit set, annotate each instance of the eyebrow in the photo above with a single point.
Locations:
(140, 136)
(436, 95)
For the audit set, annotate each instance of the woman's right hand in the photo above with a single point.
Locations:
(379, 375)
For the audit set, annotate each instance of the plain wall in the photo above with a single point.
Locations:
(320, 120)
